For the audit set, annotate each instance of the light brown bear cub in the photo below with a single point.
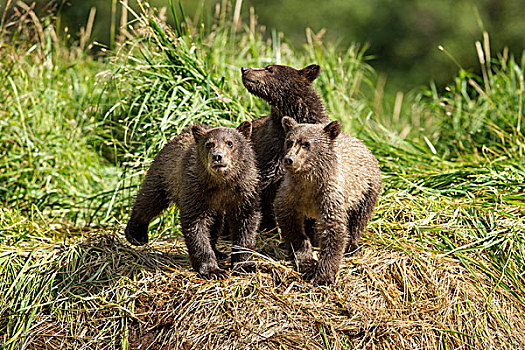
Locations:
(210, 174)
(332, 178)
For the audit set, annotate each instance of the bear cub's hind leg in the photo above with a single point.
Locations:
(150, 202)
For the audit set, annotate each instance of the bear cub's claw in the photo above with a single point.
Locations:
(214, 274)
(321, 279)
(316, 275)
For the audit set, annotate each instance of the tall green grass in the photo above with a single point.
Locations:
(46, 118)
(457, 187)
(482, 116)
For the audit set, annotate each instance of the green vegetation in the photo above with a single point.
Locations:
(442, 262)
(403, 36)
(46, 122)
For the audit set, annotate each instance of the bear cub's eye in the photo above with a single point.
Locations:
(229, 144)
(269, 69)
(306, 145)
(289, 144)
(209, 145)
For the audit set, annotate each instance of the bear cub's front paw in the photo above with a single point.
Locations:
(213, 272)
(319, 276)
(136, 233)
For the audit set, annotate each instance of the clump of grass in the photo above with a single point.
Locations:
(46, 93)
(458, 189)
(482, 115)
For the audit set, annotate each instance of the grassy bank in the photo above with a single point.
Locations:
(441, 264)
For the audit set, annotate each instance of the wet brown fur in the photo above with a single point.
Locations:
(332, 178)
(211, 175)
(289, 92)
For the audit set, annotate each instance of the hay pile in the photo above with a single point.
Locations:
(150, 299)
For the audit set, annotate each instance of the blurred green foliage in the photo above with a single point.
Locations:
(403, 36)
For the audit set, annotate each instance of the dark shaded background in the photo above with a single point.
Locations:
(403, 36)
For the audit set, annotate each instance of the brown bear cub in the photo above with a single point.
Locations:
(332, 178)
(289, 92)
(211, 175)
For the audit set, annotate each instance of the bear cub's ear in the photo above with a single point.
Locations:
(198, 131)
(288, 123)
(333, 129)
(245, 128)
(311, 72)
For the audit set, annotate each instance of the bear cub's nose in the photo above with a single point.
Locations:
(216, 157)
(288, 160)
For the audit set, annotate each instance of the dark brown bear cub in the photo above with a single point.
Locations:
(332, 178)
(210, 174)
(289, 92)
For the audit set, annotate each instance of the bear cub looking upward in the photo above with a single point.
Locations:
(210, 174)
(332, 178)
(289, 92)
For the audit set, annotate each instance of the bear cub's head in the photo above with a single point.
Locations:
(307, 145)
(223, 152)
(274, 83)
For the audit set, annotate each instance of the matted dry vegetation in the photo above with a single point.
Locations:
(383, 299)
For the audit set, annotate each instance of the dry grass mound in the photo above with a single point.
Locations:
(150, 299)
